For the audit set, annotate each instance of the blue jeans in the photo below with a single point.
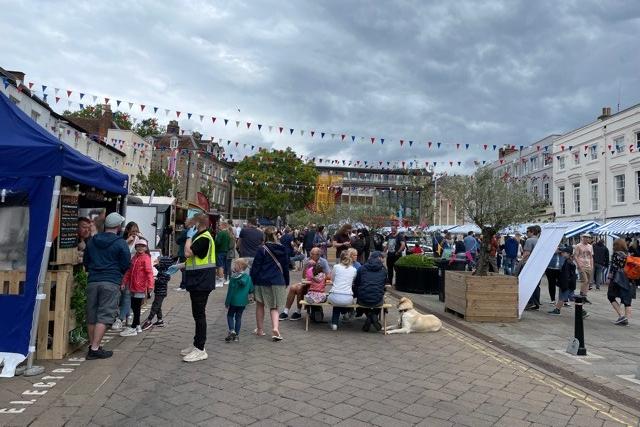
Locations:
(509, 265)
(234, 318)
(599, 274)
(125, 304)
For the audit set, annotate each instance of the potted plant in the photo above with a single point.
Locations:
(492, 203)
(417, 274)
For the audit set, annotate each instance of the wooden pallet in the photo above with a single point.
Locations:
(12, 282)
(492, 298)
(56, 318)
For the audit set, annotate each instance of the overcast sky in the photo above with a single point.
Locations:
(492, 72)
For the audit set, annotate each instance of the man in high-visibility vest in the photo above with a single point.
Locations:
(200, 273)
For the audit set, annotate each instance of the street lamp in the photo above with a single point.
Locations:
(435, 177)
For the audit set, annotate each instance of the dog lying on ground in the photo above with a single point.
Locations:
(412, 321)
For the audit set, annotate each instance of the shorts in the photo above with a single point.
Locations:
(221, 259)
(273, 297)
(315, 297)
(616, 291)
(103, 299)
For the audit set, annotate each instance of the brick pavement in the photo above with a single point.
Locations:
(344, 378)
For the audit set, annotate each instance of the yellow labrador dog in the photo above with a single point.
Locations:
(412, 321)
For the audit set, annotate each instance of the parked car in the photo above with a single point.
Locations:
(413, 241)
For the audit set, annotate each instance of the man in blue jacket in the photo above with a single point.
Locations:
(106, 259)
(368, 288)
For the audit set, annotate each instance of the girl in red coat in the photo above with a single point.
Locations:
(139, 280)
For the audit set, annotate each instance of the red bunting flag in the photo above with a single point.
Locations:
(562, 148)
(178, 114)
(57, 99)
(69, 92)
(30, 85)
(213, 120)
(106, 100)
(485, 146)
(141, 107)
(501, 161)
(401, 142)
(280, 129)
(342, 136)
(248, 125)
(373, 140)
(457, 146)
(313, 132)
(429, 143)
(450, 163)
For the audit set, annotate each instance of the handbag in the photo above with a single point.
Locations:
(621, 279)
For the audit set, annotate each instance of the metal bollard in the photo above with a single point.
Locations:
(579, 326)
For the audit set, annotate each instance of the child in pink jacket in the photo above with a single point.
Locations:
(139, 280)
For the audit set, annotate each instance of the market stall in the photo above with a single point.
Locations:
(619, 227)
(33, 213)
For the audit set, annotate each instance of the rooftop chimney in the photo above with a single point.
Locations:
(105, 121)
(606, 112)
(173, 127)
(505, 151)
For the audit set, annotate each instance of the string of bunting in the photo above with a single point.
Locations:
(74, 97)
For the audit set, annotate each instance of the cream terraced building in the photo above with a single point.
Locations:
(596, 168)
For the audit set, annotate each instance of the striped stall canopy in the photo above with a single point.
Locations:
(619, 227)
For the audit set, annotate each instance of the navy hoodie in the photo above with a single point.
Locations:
(106, 258)
(369, 283)
(264, 270)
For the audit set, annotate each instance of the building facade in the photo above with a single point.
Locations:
(596, 168)
(195, 166)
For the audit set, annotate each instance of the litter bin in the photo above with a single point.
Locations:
(459, 264)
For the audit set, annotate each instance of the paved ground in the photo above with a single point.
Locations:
(613, 352)
(345, 378)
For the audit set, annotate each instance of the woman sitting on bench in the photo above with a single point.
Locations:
(316, 278)
(341, 292)
(369, 289)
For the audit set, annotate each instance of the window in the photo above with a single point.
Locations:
(576, 198)
(548, 159)
(173, 143)
(14, 217)
(618, 181)
(561, 198)
(99, 154)
(35, 115)
(534, 190)
(576, 158)
(593, 185)
(534, 163)
(619, 144)
(545, 191)
(638, 185)
(638, 140)
(525, 168)
(14, 100)
(561, 164)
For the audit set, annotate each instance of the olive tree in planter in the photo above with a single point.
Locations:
(416, 274)
(492, 203)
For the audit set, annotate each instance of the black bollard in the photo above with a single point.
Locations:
(579, 326)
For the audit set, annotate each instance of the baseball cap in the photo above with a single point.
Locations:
(113, 220)
(141, 242)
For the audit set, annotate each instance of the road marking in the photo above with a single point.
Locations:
(558, 386)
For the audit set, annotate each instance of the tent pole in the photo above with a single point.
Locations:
(37, 370)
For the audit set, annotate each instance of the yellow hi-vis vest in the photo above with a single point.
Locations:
(209, 261)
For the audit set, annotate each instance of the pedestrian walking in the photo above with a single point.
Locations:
(566, 280)
(270, 277)
(159, 294)
(553, 273)
(222, 242)
(583, 254)
(396, 244)
(600, 262)
(200, 273)
(250, 239)
(107, 259)
(139, 280)
(240, 287)
(620, 287)
(533, 232)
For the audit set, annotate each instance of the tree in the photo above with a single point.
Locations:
(492, 203)
(157, 181)
(123, 120)
(278, 179)
(149, 127)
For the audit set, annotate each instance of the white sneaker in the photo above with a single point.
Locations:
(139, 329)
(219, 283)
(196, 355)
(226, 283)
(129, 332)
(187, 350)
(334, 327)
(130, 319)
(117, 325)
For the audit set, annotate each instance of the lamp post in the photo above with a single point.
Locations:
(435, 179)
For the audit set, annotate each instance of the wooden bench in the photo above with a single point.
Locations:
(382, 307)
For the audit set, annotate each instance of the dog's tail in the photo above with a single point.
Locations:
(438, 326)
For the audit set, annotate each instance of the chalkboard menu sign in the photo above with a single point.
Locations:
(68, 222)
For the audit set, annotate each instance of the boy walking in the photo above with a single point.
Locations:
(566, 281)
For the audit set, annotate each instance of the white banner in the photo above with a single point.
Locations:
(537, 263)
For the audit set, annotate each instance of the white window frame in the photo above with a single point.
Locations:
(576, 158)
(548, 159)
(534, 163)
(562, 201)
(618, 144)
(637, 140)
(619, 191)
(545, 191)
(593, 187)
(637, 185)
(576, 197)
(173, 142)
(561, 163)
(593, 152)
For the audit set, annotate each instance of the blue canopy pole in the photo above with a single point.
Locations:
(37, 370)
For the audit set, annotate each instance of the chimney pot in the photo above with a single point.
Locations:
(606, 112)
(173, 127)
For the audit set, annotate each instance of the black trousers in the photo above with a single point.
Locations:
(198, 308)
(553, 277)
(136, 306)
(156, 307)
(391, 261)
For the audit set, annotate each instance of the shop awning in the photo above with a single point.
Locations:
(619, 227)
(28, 150)
(576, 228)
(464, 228)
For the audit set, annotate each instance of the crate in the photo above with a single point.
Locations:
(492, 298)
(56, 318)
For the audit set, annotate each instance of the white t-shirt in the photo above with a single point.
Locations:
(343, 279)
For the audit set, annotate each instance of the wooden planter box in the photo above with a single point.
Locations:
(492, 298)
(417, 280)
(56, 318)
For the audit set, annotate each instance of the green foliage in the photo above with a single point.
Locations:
(79, 306)
(123, 120)
(278, 179)
(157, 181)
(492, 203)
(416, 261)
(149, 127)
